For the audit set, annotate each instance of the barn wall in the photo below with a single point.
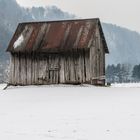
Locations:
(97, 60)
(12, 69)
(41, 68)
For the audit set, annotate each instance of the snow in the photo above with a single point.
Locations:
(130, 85)
(69, 113)
(2, 86)
(33, 17)
(18, 41)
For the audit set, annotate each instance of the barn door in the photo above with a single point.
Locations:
(53, 69)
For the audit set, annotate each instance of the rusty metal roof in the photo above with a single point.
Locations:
(55, 35)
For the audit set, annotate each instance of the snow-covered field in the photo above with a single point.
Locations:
(129, 85)
(69, 113)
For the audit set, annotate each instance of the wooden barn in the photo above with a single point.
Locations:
(58, 52)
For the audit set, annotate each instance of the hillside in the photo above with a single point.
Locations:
(12, 14)
(124, 45)
(120, 41)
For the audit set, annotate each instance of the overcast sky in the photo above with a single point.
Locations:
(120, 12)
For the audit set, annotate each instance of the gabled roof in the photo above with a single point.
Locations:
(55, 35)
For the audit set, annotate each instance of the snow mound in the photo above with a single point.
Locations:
(2, 86)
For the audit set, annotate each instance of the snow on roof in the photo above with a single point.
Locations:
(18, 41)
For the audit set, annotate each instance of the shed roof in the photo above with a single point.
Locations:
(55, 35)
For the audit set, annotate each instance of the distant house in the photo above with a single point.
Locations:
(58, 52)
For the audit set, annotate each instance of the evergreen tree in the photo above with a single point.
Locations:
(119, 73)
(136, 72)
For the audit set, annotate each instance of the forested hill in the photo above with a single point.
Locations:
(11, 14)
(124, 45)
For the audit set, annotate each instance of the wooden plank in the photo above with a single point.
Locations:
(74, 68)
(16, 70)
(74, 65)
(80, 67)
(28, 70)
(12, 69)
(68, 69)
(62, 71)
(38, 64)
(40, 69)
(83, 66)
(55, 66)
(23, 69)
(50, 72)
(20, 83)
(33, 69)
(93, 59)
(77, 66)
(71, 67)
(102, 67)
(51, 69)
(57, 60)
(97, 57)
(65, 68)
(102, 59)
(46, 64)
(87, 63)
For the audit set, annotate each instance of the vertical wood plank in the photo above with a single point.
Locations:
(29, 73)
(35, 69)
(87, 62)
(12, 69)
(23, 69)
(46, 63)
(62, 73)
(32, 69)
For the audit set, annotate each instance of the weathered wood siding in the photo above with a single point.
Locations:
(41, 68)
(97, 60)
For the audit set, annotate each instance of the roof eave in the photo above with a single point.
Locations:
(103, 38)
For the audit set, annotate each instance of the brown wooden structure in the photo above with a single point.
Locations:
(58, 52)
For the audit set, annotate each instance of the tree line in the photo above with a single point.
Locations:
(123, 73)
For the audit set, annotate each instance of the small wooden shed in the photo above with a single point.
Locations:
(58, 52)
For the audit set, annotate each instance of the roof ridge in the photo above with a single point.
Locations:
(63, 20)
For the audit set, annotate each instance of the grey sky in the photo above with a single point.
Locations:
(120, 12)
